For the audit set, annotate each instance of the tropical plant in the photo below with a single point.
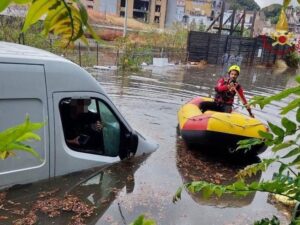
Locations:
(13, 138)
(284, 137)
(67, 19)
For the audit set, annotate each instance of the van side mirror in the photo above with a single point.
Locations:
(131, 144)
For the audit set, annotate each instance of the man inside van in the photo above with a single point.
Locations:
(83, 128)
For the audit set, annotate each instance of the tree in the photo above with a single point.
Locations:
(250, 5)
(272, 12)
(67, 19)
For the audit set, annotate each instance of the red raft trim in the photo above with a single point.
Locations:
(196, 123)
(199, 122)
(196, 100)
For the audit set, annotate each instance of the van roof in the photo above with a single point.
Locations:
(17, 51)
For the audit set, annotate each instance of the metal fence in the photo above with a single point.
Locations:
(216, 49)
(106, 55)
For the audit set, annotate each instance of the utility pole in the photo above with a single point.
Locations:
(125, 19)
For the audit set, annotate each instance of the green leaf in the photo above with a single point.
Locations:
(278, 140)
(28, 136)
(289, 125)
(207, 191)
(93, 33)
(139, 220)
(36, 11)
(266, 221)
(276, 130)
(11, 138)
(21, 1)
(253, 169)
(247, 144)
(292, 105)
(298, 115)
(296, 161)
(177, 195)
(285, 93)
(53, 17)
(219, 191)
(282, 168)
(281, 146)
(291, 153)
(26, 148)
(240, 184)
(266, 135)
(4, 155)
(286, 3)
(4, 4)
(298, 77)
(83, 12)
(262, 101)
(142, 221)
(254, 185)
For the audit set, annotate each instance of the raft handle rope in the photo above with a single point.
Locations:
(230, 123)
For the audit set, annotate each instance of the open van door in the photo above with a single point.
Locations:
(89, 131)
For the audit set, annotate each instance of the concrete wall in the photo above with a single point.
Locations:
(162, 14)
(107, 6)
(171, 15)
(198, 8)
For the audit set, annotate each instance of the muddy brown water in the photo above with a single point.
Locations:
(118, 193)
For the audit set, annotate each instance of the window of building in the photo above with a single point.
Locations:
(157, 8)
(141, 5)
(123, 3)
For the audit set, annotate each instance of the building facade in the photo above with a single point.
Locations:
(198, 7)
(91, 4)
(198, 12)
(148, 11)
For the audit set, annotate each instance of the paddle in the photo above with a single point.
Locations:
(244, 103)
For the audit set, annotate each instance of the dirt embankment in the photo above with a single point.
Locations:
(110, 34)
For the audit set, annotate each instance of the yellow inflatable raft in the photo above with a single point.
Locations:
(217, 129)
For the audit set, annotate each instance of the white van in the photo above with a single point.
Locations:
(49, 88)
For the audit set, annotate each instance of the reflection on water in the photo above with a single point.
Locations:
(193, 165)
(78, 198)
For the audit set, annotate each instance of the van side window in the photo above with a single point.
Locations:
(89, 126)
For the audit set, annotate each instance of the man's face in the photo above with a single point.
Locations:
(81, 106)
(233, 74)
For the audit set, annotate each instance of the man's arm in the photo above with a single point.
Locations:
(94, 118)
(74, 141)
(240, 92)
(221, 86)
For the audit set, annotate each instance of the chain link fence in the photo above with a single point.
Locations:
(103, 54)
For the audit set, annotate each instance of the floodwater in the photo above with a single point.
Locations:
(118, 193)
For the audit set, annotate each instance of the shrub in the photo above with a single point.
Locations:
(293, 59)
